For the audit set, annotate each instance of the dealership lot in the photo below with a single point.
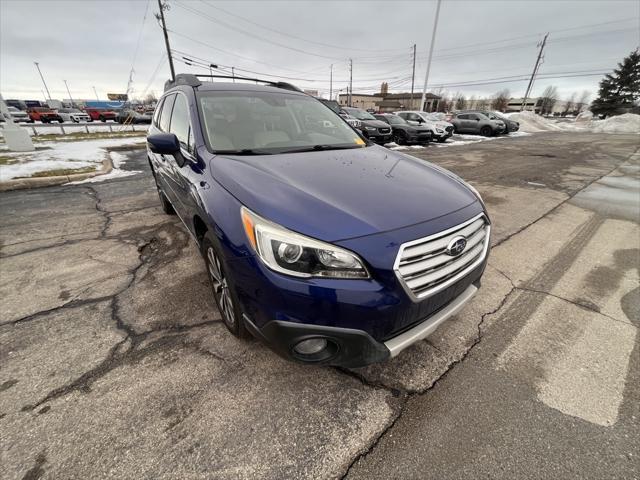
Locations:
(115, 362)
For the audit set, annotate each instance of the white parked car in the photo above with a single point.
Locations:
(73, 115)
(440, 129)
(19, 116)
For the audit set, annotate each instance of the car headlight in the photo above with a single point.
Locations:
(371, 129)
(294, 254)
(439, 130)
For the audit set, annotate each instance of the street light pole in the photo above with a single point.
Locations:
(350, 82)
(45, 83)
(433, 39)
(94, 91)
(330, 81)
(70, 97)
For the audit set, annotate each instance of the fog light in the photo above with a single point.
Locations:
(311, 346)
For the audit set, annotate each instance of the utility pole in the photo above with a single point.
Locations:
(413, 73)
(533, 74)
(70, 97)
(45, 83)
(94, 91)
(330, 81)
(233, 74)
(166, 39)
(433, 39)
(350, 81)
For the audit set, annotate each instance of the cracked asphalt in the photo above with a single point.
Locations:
(114, 362)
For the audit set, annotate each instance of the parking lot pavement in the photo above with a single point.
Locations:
(114, 362)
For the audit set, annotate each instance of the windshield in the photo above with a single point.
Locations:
(266, 122)
(359, 114)
(432, 117)
(396, 120)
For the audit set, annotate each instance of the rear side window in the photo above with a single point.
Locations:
(180, 120)
(165, 117)
(156, 114)
(464, 116)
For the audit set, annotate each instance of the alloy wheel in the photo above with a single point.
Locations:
(220, 288)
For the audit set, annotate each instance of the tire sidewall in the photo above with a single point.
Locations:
(211, 241)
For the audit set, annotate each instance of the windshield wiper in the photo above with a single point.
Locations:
(244, 151)
(317, 148)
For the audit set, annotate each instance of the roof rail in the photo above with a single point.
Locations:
(193, 81)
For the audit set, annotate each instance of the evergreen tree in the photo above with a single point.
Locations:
(619, 91)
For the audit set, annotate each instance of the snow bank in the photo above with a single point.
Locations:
(530, 122)
(626, 123)
(585, 116)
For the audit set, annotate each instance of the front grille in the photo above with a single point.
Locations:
(384, 131)
(425, 268)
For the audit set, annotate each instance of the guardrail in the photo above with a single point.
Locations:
(36, 129)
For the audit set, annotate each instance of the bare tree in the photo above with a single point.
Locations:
(548, 100)
(461, 103)
(471, 103)
(150, 98)
(570, 106)
(482, 104)
(582, 103)
(500, 100)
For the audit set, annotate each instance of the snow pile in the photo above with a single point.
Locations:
(626, 123)
(59, 155)
(531, 122)
(585, 116)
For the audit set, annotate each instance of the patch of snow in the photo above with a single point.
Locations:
(118, 160)
(58, 155)
(531, 122)
(585, 116)
(26, 169)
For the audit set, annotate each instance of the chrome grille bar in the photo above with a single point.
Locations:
(424, 267)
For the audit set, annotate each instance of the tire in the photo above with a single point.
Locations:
(400, 138)
(486, 131)
(222, 287)
(442, 139)
(102, 119)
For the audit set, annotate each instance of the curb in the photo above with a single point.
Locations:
(37, 182)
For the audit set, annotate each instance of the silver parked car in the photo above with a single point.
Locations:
(73, 115)
(477, 122)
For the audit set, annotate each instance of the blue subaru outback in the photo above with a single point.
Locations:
(330, 249)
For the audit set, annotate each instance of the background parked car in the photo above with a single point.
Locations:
(478, 123)
(101, 114)
(44, 115)
(510, 125)
(372, 128)
(19, 116)
(403, 133)
(440, 130)
(73, 115)
(132, 116)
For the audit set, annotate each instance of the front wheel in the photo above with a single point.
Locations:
(399, 138)
(102, 119)
(222, 289)
(486, 131)
(442, 139)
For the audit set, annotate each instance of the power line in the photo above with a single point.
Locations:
(200, 13)
(279, 32)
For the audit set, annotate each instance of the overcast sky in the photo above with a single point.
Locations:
(96, 43)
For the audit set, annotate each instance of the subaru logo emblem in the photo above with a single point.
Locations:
(456, 246)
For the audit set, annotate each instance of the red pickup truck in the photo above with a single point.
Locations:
(44, 115)
(101, 114)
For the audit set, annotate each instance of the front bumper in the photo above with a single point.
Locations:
(378, 138)
(420, 138)
(349, 347)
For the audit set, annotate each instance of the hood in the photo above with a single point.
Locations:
(375, 123)
(443, 125)
(339, 194)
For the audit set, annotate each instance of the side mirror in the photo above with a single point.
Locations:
(163, 143)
